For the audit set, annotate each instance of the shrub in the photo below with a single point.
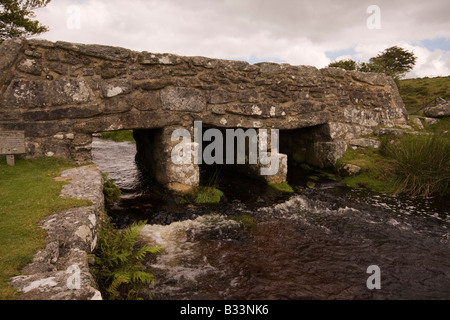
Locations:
(119, 268)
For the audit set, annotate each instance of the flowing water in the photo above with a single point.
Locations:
(314, 244)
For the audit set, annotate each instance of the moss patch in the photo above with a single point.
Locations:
(110, 190)
(208, 195)
(283, 187)
(246, 220)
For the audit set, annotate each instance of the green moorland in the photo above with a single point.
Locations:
(28, 193)
(415, 165)
(119, 136)
(420, 93)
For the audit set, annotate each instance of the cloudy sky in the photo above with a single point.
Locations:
(314, 32)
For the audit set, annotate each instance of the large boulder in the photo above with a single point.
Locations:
(440, 111)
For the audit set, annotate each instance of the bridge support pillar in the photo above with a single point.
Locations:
(155, 151)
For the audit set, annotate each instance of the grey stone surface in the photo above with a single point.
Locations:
(9, 50)
(71, 237)
(440, 111)
(183, 99)
(365, 143)
(325, 154)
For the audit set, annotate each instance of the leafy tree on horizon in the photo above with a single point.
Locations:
(348, 64)
(16, 18)
(393, 61)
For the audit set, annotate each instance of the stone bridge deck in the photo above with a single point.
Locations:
(61, 93)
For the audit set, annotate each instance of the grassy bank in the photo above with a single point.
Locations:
(28, 193)
(119, 136)
(419, 93)
(410, 164)
(415, 165)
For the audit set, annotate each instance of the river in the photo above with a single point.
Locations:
(317, 243)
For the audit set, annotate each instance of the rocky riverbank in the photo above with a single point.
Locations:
(60, 271)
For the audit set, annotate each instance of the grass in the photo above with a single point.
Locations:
(422, 164)
(414, 165)
(28, 193)
(419, 93)
(377, 172)
(409, 164)
(119, 136)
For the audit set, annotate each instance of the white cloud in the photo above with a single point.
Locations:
(296, 32)
(429, 63)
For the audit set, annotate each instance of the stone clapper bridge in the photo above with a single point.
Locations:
(61, 93)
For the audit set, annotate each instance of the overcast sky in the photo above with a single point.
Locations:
(298, 32)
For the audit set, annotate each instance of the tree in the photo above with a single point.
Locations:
(348, 64)
(16, 18)
(393, 61)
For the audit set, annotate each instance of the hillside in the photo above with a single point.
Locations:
(422, 92)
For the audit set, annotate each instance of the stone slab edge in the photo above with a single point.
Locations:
(60, 271)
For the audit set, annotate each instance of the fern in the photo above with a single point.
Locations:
(119, 267)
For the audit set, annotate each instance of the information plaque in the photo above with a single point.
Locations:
(11, 143)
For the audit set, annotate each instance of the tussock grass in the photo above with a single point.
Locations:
(422, 164)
